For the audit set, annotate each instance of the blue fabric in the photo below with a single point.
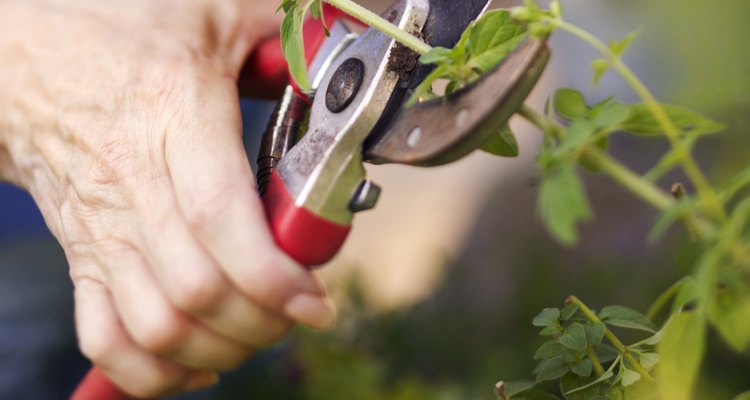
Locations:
(19, 216)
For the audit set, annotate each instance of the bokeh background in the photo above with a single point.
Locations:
(438, 285)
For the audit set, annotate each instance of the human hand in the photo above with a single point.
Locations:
(122, 120)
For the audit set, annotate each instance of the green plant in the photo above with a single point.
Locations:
(665, 363)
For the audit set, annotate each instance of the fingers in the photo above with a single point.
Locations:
(195, 284)
(103, 340)
(215, 191)
(158, 327)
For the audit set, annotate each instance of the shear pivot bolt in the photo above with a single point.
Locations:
(344, 85)
(366, 197)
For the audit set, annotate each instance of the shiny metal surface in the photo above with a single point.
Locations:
(324, 170)
(290, 113)
(446, 129)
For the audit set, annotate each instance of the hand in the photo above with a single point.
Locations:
(122, 120)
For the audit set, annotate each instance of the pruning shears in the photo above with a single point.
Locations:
(310, 167)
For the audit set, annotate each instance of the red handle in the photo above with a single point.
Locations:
(305, 237)
(96, 386)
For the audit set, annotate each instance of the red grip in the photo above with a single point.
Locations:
(265, 75)
(304, 236)
(96, 386)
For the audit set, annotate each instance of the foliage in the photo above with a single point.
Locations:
(665, 363)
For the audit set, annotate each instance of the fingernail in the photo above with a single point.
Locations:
(201, 380)
(314, 311)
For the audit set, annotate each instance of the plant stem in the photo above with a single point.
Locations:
(370, 18)
(640, 187)
(627, 178)
(595, 360)
(610, 336)
(702, 186)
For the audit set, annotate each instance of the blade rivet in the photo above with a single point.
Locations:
(414, 137)
(344, 85)
(462, 118)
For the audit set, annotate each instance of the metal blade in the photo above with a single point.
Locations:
(444, 130)
(446, 22)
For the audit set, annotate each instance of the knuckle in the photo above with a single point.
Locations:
(160, 335)
(266, 282)
(198, 292)
(208, 207)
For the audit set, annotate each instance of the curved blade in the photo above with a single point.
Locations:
(446, 129)
(446, 22)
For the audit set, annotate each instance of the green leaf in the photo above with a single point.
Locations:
(642, 390)
(595, 332)
(563, 204)
(574, 337)
(626, 318)
(514, 388)
(652, 340)
(551, 330)
(611, 116)
(551, 369)
(293, 47)
(502, 144)
(547, 317)
(648, 360)
(687, 294)
(643, 122)
(482, 46)
(582, 368)
(605, 352)
(729, 312)
(572, 382)
(494, 36)
(569, 103)
(629, 377)
(681, 352)
(548, 349)
(603, 378)
(743, 396)
(620, 46)
(600, 67)
(569, 311)
(436, 55)
(576, 134)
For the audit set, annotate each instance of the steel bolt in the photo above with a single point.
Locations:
(345, 85)
(366, 197)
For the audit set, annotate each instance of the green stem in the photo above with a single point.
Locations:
(370, 18)
(640, 187)
(610, 336)
(595, 361)
(661, 302)
(616, 170)
(702, 186)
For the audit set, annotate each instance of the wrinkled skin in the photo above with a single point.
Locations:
(122, 119)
